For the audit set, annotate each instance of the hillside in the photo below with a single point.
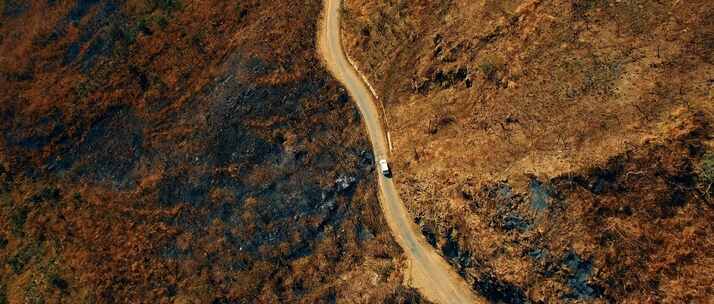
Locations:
(167, 151)
(552, 150)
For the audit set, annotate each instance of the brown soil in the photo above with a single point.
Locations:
(552, 149)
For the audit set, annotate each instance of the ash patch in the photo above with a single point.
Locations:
(498, 291)
(110, 149)
(37, 135)
(540, 195)
(580, 271)
(15, 8)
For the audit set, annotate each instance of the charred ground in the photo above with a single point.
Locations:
(171, 151)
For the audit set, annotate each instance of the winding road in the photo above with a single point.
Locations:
(428, 272)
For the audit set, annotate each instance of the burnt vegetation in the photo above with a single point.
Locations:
(173, 151)
(614, 217)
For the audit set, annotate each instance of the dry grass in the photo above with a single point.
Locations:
(555, 89)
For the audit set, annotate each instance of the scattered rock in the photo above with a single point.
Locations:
(47, 194)
(511, 222)
(344, 182)
(537, 253)
(364, 233)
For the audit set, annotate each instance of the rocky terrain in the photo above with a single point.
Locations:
(554, 151)
(167, 151)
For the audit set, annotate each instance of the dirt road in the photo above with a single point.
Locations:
(428, 272)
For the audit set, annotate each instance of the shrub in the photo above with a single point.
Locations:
(706, 170)
(77, 197)
(23, 256)
(84, 89)
(17, 263)
(17, 221)
(57, 281)
(162, 21)
(168, 5)
(489, 70)
(440, 121)
(3, 297)
(240, 11)
(581, 7)
(47, 194)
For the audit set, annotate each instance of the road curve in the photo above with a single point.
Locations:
(428, 272)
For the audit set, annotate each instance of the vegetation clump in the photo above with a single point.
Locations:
(706, 173)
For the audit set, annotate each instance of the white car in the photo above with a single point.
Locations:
(384, 167)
